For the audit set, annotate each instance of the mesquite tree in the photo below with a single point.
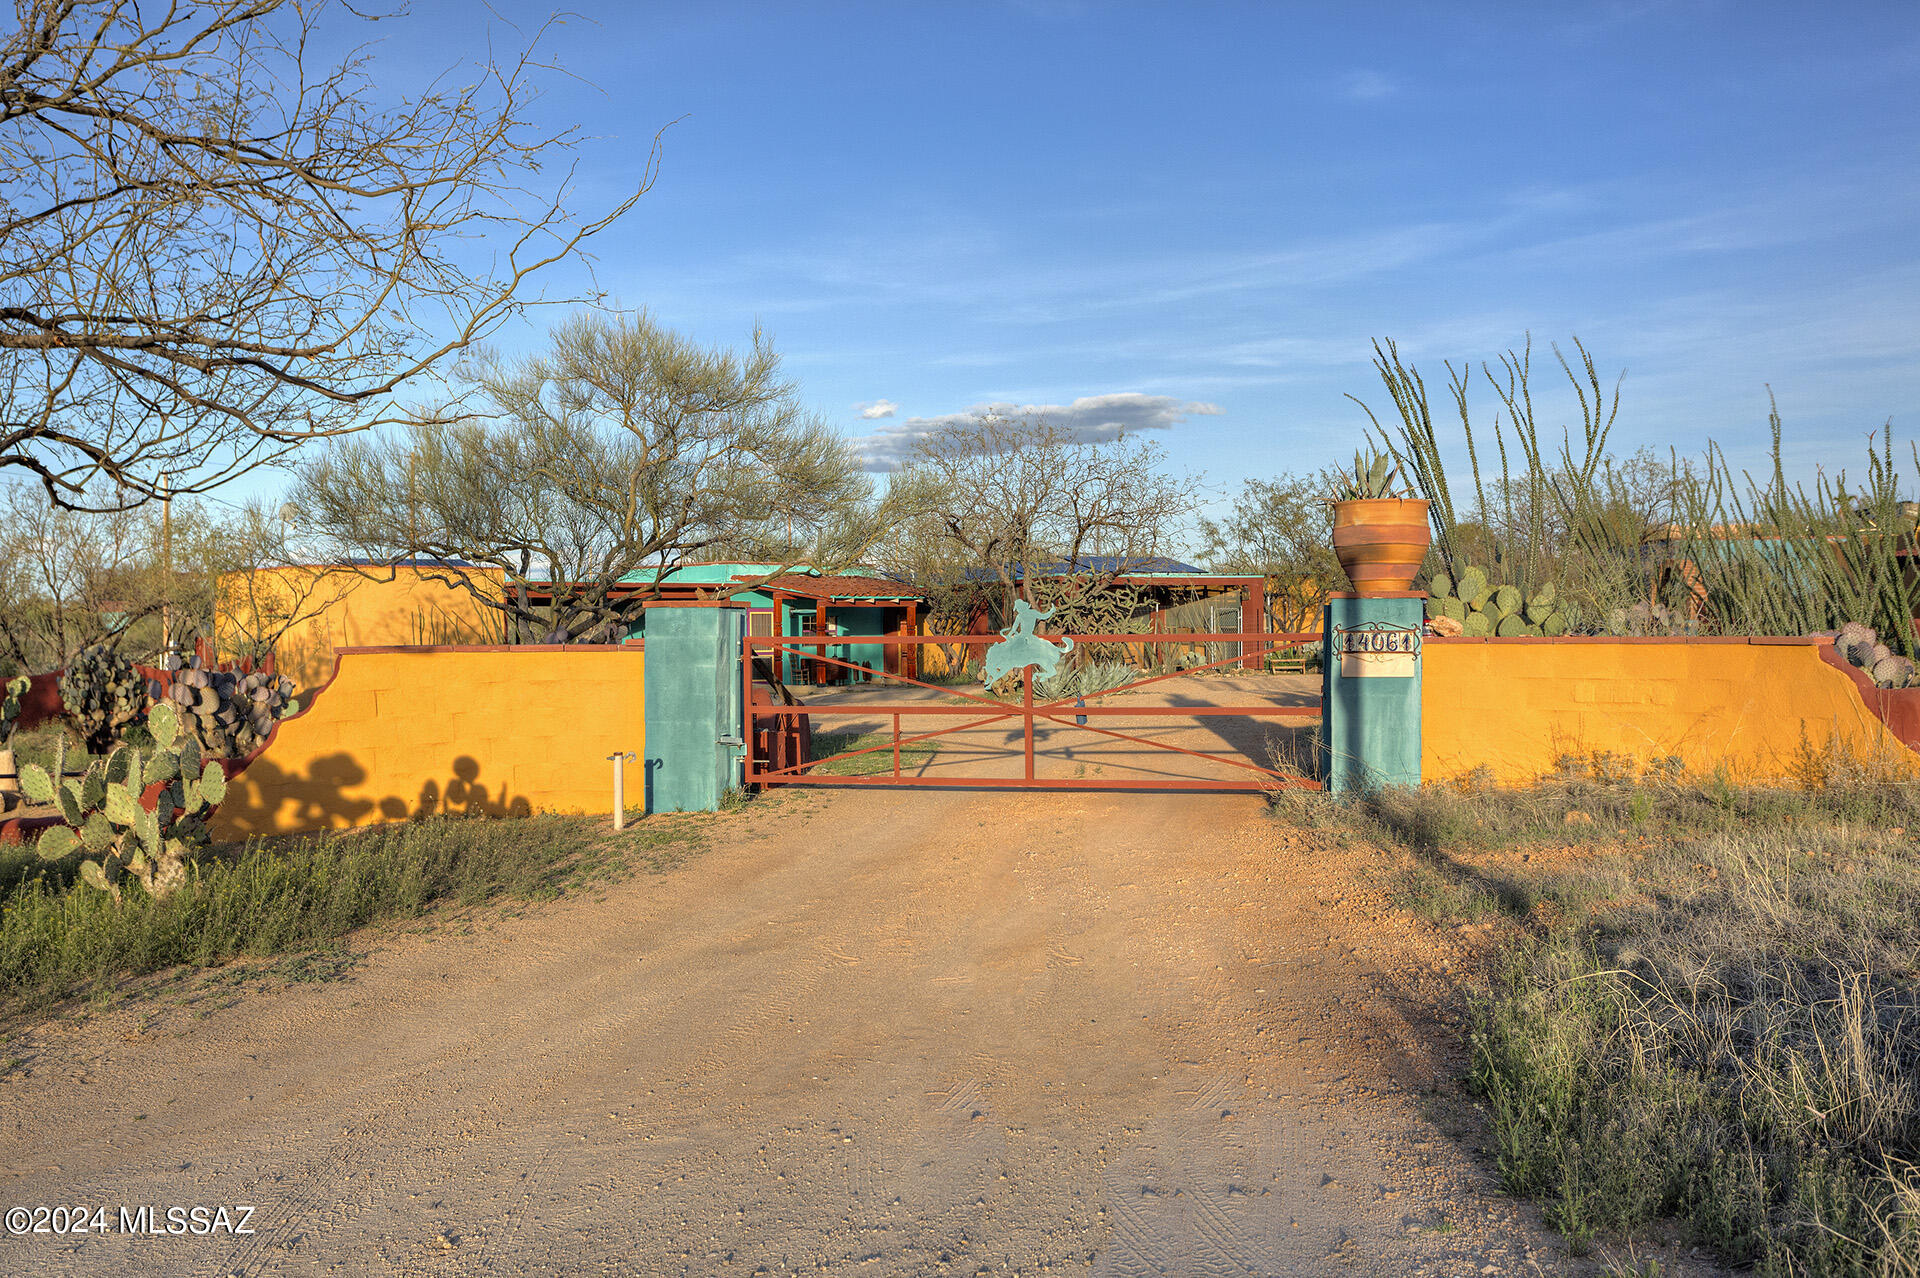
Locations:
(623, 452)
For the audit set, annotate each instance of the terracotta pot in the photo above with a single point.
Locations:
(1381, 542)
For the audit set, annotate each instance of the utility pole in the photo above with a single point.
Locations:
(413, 529)
(166, 564)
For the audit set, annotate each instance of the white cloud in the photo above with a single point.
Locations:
(877, 409)
(1089, 419)
(1367, 86)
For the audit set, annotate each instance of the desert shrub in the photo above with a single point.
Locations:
(1708, 1017)
(58, 938)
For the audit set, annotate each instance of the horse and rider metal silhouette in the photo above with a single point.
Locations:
(1019, 647)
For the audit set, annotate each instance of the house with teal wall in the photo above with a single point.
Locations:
(798, 602)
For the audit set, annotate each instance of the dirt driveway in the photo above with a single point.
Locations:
(863, 1033)
(1111, 749)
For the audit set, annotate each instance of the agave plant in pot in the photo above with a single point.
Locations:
(1380, 535)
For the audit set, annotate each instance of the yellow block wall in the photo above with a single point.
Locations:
(403, 733)
(336, 607)
(1750, 707)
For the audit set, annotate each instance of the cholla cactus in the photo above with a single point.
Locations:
(103, 695)
(104, 814)
(228, 712)
(10, 708)
(1483, 610)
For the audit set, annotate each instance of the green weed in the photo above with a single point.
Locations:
(58, 939)
(875, 762)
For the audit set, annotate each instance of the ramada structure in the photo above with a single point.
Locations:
(338, 606)
(863, 603)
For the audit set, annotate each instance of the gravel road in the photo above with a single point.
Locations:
(862, 1033)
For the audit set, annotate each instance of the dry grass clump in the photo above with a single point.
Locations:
(1707, 1018)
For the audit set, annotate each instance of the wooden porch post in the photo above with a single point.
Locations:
(910, 653)
(781, 662)
(1253, 616)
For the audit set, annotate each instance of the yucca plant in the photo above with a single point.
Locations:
(1088, 680)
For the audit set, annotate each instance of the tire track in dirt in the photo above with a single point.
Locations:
(864, 1033)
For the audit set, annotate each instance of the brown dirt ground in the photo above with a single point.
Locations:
(934, 1032)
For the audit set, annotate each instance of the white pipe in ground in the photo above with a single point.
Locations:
(620, 758)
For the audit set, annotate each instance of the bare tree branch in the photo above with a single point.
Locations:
(213, 249)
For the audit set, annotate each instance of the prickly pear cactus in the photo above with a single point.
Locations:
(227, 712)
(104, 815)
(1484, 610)
(103, 695)
(1861, 647)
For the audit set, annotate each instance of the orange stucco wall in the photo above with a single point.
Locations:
(409, 732)
(1751, 707)
(331, 607)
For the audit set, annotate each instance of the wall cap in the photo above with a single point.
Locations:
(1805, 641)
(495, 647)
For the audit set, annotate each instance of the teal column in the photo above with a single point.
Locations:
(1370, 692)
(694, 708)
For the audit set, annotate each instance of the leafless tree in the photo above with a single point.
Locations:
(1280, 529)
(624, 452)
(70, 578)
(215, 244)
(1001, 499)
(262, 585)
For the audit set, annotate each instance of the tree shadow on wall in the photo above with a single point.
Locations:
(269, 799)
(464, 795)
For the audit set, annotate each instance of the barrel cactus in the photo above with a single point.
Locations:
(1485, 610)
(228, 712)
(1861, 647)
(105, 816)
(103, 695)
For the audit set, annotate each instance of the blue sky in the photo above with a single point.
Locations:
(1197, 217)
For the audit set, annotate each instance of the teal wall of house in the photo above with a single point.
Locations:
(860, 621)
(851, 621)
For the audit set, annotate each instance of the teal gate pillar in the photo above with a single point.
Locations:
(1370, 692)
(694, 707)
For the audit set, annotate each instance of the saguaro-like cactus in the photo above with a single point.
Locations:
(105, 816)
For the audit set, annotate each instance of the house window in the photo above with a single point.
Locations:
(760, 623)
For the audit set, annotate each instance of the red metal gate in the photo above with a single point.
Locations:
(778, 736)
